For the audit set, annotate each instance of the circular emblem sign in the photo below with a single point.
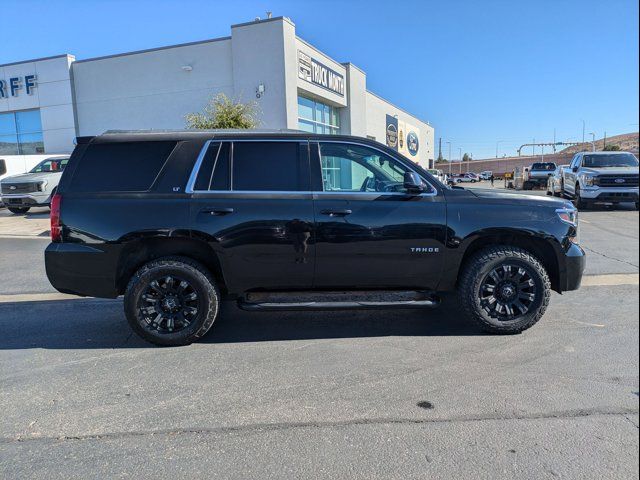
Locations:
(392, 136)
(412, 143)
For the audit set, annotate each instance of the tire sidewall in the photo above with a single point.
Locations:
(208, 302)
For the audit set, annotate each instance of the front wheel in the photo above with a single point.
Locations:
(19, 210)
(171, 301)
(578, 201)
(504, 289)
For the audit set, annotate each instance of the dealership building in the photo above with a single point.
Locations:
(46, 103)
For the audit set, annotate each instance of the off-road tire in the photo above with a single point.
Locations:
(18, 210)
(476, 269)
(201, 280)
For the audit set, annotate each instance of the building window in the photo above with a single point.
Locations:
(21, 133)
(317, 117)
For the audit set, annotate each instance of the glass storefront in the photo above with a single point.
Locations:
(21, 133)
(317, 117)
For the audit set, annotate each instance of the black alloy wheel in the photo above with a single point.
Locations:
(168, 304)
(507, 292)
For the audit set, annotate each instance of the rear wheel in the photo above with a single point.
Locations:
(504, 289)
(171, 301)
(19, 210)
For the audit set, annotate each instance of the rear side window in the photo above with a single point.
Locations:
(3, 167)
(120, 167)
(270, 166)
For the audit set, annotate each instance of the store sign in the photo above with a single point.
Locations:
(392, 132)
(13, 86)
(402, 136)
(315, 72)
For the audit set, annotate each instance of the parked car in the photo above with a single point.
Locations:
(295, 221)
(610, 177)
(554, 182)
(462, 178)
(35, 188)
(474, 176)
(538, 175)
(486, 175)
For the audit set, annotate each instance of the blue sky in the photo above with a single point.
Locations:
(478, 71)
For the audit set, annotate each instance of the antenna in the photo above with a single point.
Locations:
(269, 14)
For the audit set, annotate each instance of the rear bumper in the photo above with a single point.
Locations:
(575, 261)
(80, 270)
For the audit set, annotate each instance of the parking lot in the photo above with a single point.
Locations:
(325, 395)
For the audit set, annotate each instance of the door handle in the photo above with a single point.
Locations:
(336, 213)
(217, 211)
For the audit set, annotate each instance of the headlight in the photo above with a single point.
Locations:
(588, 180)
(42, 186)
(568, 214)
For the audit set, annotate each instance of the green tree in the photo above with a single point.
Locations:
(466, 157)
(223, 112)
(612, 148)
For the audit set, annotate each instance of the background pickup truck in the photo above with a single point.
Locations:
(610, 177)
(539, 174)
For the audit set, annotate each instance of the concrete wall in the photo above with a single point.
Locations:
(259, 57)
(378, 109)
(150, 89)
(52, 95)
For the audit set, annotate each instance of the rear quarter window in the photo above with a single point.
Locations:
(3, 167)
(120, 167)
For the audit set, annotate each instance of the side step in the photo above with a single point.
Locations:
(315, 301)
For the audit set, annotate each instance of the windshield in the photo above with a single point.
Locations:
(604, 161)
(550, 167)
(50, 165)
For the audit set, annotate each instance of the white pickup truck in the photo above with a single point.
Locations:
(609, 177)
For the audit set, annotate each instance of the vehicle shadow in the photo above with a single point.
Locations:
(100, 324)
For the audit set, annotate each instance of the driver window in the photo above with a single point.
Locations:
(354, 168)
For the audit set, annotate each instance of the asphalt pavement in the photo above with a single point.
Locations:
(385, 394)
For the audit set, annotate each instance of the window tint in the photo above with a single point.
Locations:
(270, 166)
(3, 167)
(354, 168)
(120, 167)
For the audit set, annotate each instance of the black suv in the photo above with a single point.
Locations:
(178, 221)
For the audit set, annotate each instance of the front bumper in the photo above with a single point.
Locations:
(575, 261)
(26, 200)
(610, 194)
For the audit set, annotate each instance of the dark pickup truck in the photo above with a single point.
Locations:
(178, 221)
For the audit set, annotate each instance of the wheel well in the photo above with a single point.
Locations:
(541, 249)
(137, 253)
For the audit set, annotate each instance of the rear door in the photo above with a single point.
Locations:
(370, 232)
(251, 202)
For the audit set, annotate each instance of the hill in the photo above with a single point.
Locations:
(627, 142)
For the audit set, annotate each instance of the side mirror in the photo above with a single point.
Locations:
(575, 169)
(413, 183)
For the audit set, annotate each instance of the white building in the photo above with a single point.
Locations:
(45, 103)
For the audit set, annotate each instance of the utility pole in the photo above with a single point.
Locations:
(440, 148)
(534, 147)
(604, 146)
(449, 157)
(583, 126)
(460, 157)
(554, 140)
(593, 141)
(497, 144)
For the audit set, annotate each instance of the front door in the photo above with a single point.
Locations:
(251, 203)
(370, 232)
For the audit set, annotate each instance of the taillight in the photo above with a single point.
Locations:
(56, 227)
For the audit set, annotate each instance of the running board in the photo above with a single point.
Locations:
(337, 301)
